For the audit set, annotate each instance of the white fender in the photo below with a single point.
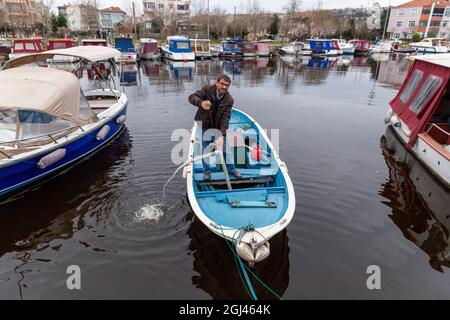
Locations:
(121, 119)
(388, 116)
(51, 158)
(406, 130)
(262, 252)
(103, 132)
(245, 252)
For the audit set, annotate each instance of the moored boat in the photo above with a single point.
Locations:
(248, 49)
(55, 124)
(201, 48)
(231, 49)
(420, 114)
(148, 49)
(178, 48)
(26, 46)
(248, 211)
(261, 49)
(126, 47)
(296, 48)
(429, 45)
(361, 47)
(324, 48)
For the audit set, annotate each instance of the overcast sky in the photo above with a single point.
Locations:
(271, 5)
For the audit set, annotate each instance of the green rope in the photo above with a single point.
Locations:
(236, 256)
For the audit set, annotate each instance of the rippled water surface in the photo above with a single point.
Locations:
(361, 198)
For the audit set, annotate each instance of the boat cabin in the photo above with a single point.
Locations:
(124, 45)
(148, 46)
(321, 46)
(201, 48)
(60, 44)
(248, 48)
(423, 102)
(179, 44)
(31, 45)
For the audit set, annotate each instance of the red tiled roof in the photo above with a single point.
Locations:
(113, 9)
(423, 3)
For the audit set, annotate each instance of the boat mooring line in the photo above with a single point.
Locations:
(244, 267)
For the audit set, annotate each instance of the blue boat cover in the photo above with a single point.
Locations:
(124, 45)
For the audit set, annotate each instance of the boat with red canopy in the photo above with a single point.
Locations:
(26, 46)
(361, 47)
(420, 113)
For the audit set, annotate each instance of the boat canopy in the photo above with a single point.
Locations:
(179, 44)
(124, 45)
(421, 92)
(90, 53)
(318, 45)
(51, 91)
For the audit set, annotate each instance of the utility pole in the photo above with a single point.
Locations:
(134, 21)
(429, 18)
(234, 23)
(207, 28)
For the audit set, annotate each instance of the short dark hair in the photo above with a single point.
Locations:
(224, 77)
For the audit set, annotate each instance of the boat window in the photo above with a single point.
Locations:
(8, 125)
(34, 124)
(18, 46)
(411, 85)
(182, 45)
(86, 112)
(428, 89)
(29, 46)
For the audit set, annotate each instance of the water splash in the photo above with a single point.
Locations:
(149, 212)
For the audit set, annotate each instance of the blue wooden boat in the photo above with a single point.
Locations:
(248, 211)
(55, 124)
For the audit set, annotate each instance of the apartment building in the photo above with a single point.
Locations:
(109, 17)
(181, 8)
(426, 17)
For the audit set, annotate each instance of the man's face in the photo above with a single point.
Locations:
(222, 86)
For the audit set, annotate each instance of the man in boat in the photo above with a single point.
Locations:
(214, 104)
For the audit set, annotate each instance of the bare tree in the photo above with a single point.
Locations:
(44, 14)
(199, 7)
(323, 23)
(258, 20)
(89, 15)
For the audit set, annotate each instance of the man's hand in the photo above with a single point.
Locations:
(206, 104)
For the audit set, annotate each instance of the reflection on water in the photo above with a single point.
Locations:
(128, 74)
(217, 270)
(393, 70)
(420, 204)
(38, 217)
